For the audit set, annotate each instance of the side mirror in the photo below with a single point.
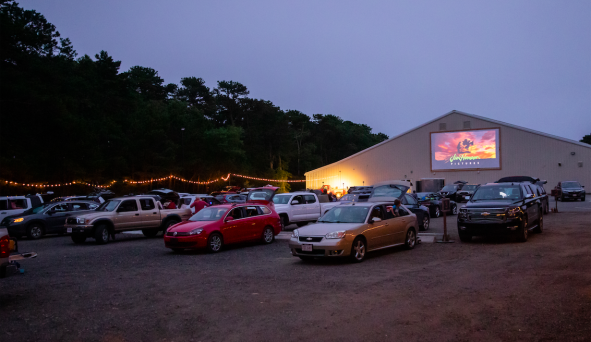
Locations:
(229, 218)
(529, 196)
(375, 219)
(295, 202)
(582, 186)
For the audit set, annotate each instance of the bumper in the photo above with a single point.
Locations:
(79, 229)
(16, 229)
(489, 228)
(572, 195)
(324, 248)
(190, 242)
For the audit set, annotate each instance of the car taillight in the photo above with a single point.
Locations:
(4, 247)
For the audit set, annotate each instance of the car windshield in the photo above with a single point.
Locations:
(344, 214)
(571, 185)
(386, 191)
(281, 199)
(469, 187)
(449, 188)
(497, 192)
(109, 205)
(39, 209)
(209, 214)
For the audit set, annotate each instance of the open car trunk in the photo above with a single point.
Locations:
(262, 195)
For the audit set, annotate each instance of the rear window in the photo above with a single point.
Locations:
(386, 191)
(3, 204)
(16, 204)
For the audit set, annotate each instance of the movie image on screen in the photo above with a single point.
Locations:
(471, 149)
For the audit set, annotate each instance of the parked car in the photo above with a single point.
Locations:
(466, 192)
(300, 207)
(231, 198)
(13, 205)
(49, 218)
(451, 191)
(432, 200)
(352, 230)
(501, 208)
(9, 254)
(350, 198)
(359, 189)
(571, 190)
(121, 214)
(214, 227)
(421, 211)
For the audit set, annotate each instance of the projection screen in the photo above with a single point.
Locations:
(466, 150)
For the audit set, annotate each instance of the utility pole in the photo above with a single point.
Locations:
(183, 155)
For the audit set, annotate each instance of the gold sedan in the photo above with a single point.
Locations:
(352, 230)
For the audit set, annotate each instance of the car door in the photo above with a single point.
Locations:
(312, 207)
(149, 214)
(298, 210)
(378, 233)
(253, 222)
(531, 205)
(234, 230)
(404, 220)
(127, 215)
(56, 217)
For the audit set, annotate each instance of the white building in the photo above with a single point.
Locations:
(492, 150)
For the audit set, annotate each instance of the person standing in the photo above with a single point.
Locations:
(198, 204)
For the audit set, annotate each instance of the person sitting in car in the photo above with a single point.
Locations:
(393, 210)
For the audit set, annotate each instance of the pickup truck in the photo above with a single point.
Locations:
(301, 207)
(9, 256)
(121, 214)
(14, 205)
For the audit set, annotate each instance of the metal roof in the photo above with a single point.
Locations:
(461, 113)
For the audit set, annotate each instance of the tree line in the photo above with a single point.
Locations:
(64, 117)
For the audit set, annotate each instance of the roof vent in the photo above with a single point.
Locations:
(442, 126)
(580, 164)
(467, 124)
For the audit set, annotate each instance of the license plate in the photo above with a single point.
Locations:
(68, 230)
(306, 248)
(574, 195)
(174, 240)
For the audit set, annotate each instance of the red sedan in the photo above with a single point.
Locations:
(213, 227)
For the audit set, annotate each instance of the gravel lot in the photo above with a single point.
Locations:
(136, 290)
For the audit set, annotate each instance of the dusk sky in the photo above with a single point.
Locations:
(392, 65)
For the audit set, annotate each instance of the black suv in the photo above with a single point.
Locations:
(466, 192)
(571, 190)
(452, 191)
(536, 185)
(501, 208)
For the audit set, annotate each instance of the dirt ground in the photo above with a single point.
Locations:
(493, 289)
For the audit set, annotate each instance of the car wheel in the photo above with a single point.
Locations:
(411, 239)
(523, 231)
(268, 235)
(437, 212)
(301, 224)
(101, 234)
(465, 237)
(358, 250)
(214, 243)
(169, 224)
(35, 231)
(284, 222)
(583, 199)
(540, 228)
(78, 238)
(426, 222)
(150, 233)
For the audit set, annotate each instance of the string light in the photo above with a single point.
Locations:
(225, 179)
(59, 184)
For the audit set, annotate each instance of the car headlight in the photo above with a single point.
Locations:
(336, 235)
(295, 233)
(80, 220)
(196, 231)
(20, 219)
(463, 210)
(511, 212)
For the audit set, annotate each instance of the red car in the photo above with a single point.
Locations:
(215, 226)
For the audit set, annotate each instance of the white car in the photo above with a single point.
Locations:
(300, 207)
(14, 205)
(187, 200)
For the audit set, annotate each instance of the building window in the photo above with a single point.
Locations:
(442, 126)
(467, 124)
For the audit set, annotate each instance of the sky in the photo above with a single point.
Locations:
(392, 65)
